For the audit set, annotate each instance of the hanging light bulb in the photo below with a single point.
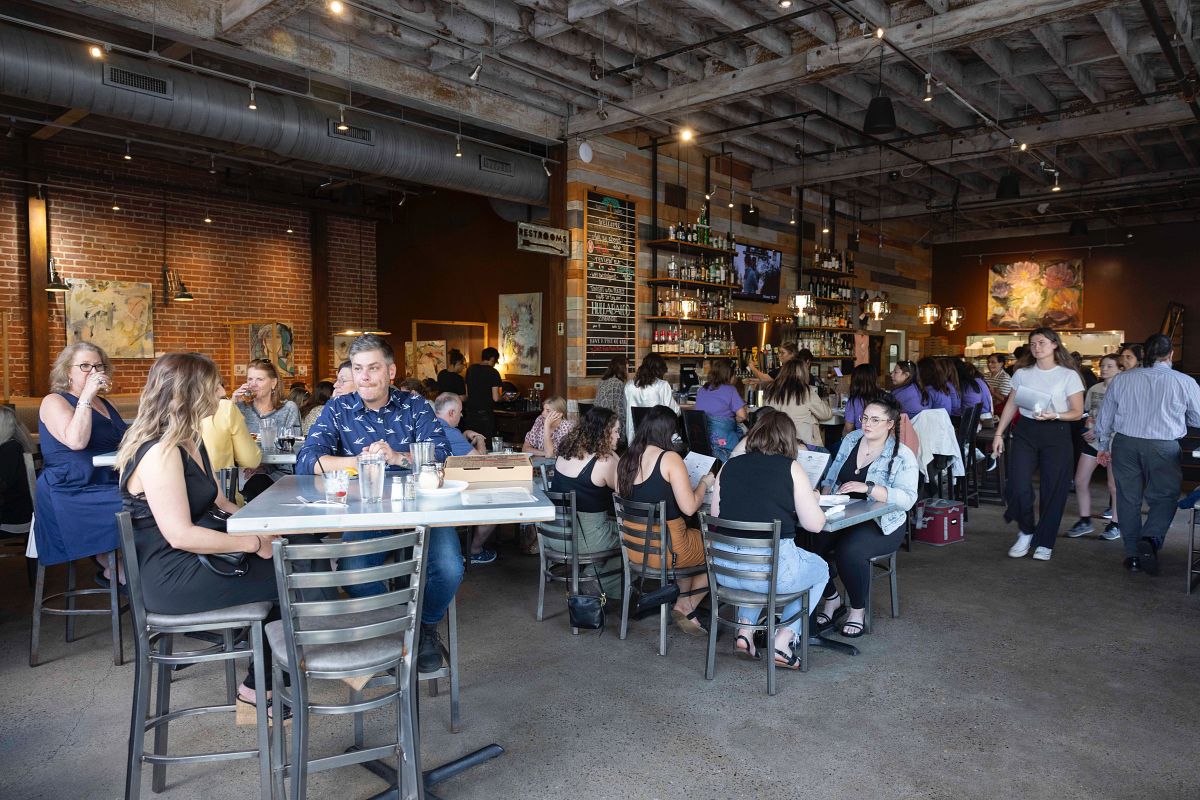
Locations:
(207, 218)
(879, 307)
(252, 105)
(824, 224)
(546, 168)
(1056, 187)
(954, 317)
(458, 146)
(686, 134)
(128, 155)
(928, 98)
(928, 313)
(342, 126)
(792, 221)
(800, 303)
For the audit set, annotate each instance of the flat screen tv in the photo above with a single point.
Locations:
(758, 272)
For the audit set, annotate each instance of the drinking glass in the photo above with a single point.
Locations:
(422, 453)
(497, 444)
(337, 485)
(266, 437)
(371, 468)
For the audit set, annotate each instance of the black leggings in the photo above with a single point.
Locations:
(849, 553)
(1045, 447)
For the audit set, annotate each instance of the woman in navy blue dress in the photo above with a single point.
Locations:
(76, 503)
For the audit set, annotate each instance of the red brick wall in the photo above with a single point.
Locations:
(242, 266)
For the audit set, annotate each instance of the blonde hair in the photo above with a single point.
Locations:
(181, 390)
(60, 373)
(557, 403)
(266, 366)
(11, 428)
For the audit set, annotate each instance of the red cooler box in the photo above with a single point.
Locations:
(938, 522)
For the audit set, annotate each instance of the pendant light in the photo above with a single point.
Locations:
(881, 116)
(56, 283)
(879, 307)
(928, 313)
(954, 317)
(173, 286)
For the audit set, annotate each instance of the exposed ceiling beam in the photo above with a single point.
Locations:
(1062, 131)
(1185, 147)
(960, 27)
(1181, 12)
(247, 18)
(1052, 41)
(1114, 27)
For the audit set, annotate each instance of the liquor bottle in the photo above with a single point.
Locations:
(672, 268)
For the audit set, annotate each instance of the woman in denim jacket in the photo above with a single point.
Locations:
(873, 462)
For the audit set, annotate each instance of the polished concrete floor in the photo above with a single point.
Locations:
(1000, 679)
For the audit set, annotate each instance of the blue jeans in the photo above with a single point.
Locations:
(443, 570)
(798, 570)
(723, 435)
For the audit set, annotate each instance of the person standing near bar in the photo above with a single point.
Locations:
(483, 391)
(1146, 411)
(1041, 441)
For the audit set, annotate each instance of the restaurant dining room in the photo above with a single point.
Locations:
(800, 397)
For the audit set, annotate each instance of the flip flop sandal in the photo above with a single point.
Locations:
(747, 651)
(787, 660)
(854, 634)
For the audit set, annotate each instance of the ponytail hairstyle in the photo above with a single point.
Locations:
(656, 429)
(891, 408)
(1156, 349)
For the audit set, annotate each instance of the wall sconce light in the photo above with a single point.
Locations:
(954, 317)
(928, 313)
(174, 288)
(56, 283)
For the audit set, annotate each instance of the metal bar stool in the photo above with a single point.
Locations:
(881, 566)
(750, 566)
(153, 645)
(16, 542)
(41, 606)
(1193, 560)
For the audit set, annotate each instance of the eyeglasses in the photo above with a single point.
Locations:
(85, 368)
(875, 420)
(906, 365)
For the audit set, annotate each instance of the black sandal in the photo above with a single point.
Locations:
(787, 660)
(823, 621)
(855, 634)
(749, 651)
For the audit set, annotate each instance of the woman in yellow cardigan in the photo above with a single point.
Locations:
(227, 440)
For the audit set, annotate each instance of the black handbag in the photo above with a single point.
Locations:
(587, 610)
(649, 603)
(227, 565)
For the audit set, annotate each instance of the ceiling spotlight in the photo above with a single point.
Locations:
(474, 76)
(594, 69)
(458, 146)
(403, 197)
(546, 168)
(731, 196)
(752, 208)
(342, 126)
(115, 206)
(1024, 147)
(928, 88)
(785, 3)
(289, 230)
(212, 165)
(95, 51)
(128, 155)
(1056, 187)
(824, 225)
(792, 221)
(336, 7)
(252, 105)
(686, 134)
(207, 218)
(879, 33)
(601, 112)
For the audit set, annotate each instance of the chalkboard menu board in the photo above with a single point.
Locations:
(610, 230)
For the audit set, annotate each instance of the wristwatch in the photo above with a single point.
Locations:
(870, 486)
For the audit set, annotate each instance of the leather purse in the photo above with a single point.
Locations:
(587, 610)
(227, 565)
(649, 603)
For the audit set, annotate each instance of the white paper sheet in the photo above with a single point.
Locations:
(698, 466)
(813, 464)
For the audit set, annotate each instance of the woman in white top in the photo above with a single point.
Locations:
(1048, 392)
(647, 390)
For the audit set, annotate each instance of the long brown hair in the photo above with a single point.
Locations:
(653, 368)
(592, 436)
(791, 385)
(269, 368)
(618, 367)
(656, 430)
(719, 374)
(1062, 357)
(773, 434)
(181, 390)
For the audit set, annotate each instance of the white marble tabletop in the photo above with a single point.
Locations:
(110, 459)
(279, 509)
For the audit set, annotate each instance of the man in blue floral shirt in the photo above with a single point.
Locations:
(379, 418)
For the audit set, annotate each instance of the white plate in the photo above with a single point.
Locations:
(448, 488)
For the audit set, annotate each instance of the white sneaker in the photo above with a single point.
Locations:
(1019, 549)
(1042, 554)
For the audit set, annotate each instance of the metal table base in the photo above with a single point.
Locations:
(430, 777)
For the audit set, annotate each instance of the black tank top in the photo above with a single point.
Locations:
(759, 488)
(656, 489)
(589, 498)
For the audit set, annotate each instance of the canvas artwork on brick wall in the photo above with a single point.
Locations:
(116, 316)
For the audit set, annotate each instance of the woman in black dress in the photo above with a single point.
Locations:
(168, 484)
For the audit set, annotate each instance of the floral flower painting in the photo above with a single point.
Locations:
(1025, 295)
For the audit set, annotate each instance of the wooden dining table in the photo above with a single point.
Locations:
(280, 510)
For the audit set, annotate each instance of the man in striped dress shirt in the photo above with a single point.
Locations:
(1145, 413)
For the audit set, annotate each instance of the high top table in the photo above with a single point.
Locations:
(278, 511)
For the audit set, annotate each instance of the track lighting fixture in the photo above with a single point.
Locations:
(458, 146)
(56, 282)
(474, 76)
(128, 155)
(290, 230)
(686, 134)
(731, 196)
(12, 128)
(115, 205)
(252, 105)
(342, 126)
(95, 51)
(785, 4)
(1056, 187)
(403, 197)
(752, 208)
(212, 165)
(336, 7)
(879, 33)
(601, 112)
(792, 221)
(928, 88)
(1024, 147)
(546, 168)
(207, 218)
(594, 69)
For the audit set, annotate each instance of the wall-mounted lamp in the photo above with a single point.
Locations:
(56, 283)
(174, 288)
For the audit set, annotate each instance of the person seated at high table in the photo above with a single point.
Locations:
(870, 464)
(381, 419)
(764, 485)
(587, 465)
(226, 438)
(549, 429)
(792, 393)
(975, 390)
(651, 472)
(909, 390)
(16, 506)
(168, 484)
(261, 401)
(448, 408)
(343, 381)
(723, 408)
(864, 389)
(936, 384)
(998, 380)
(76, 502)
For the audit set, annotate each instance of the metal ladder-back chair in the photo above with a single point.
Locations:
(558, 544)
(15, 545)
(695, 425)
(883, 566)
(353, 639)
(153, 645)
(643, 531)
(763, 565)
(968, 484)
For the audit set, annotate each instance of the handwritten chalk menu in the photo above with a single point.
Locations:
(610, 230)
